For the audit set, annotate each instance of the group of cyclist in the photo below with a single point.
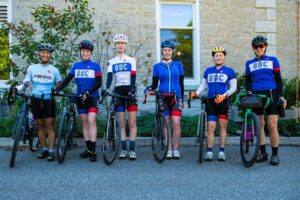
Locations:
(262, 76)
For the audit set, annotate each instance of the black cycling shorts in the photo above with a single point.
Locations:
(122, 104)
(171, 106)
(43, 108)
(90, 104)
(216, 111)
(272, 108)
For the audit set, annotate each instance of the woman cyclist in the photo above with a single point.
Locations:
(221, 82)
(123, 69)
(263, 77)
(88, 80)
(43, 76)
(170, 76)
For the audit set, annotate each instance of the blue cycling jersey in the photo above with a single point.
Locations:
(218, 80)
(43, 78)
(85, 73)
(262, 72)
(168, 75)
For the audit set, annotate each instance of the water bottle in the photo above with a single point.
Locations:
(281, 110)
(30, 120)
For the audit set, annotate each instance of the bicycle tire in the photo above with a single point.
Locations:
(72, 129)
(160, 140)
(18, 132)
(111, 140)
(30, 131)
(250, 137)
(62, 137)
(201, 136)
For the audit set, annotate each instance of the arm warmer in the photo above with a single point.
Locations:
(248, 82)
(65, 82)
(132, 81)
(232, 87)
(154, 83)
(278, 81)
(201, 87)
(98, 84)
(181, 81)
(109, 79)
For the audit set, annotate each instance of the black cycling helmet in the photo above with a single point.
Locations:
(86, 44)
(259, 39)
(168, 44)
(46, 47)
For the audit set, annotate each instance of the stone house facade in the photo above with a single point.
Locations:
(228, 23)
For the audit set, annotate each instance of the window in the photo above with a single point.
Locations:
(3, 12)
(178, 21)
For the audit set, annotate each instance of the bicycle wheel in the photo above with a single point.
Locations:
(30, 136)
(62, 137)
(250, 139)
(72, 129)
(111, 140)
(160, 137)
(201, 134)
(18, 134)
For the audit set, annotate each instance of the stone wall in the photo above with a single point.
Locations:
(229, 23)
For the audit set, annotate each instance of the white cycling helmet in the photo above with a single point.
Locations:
(120, 38)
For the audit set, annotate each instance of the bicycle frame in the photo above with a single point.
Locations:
(28, 134)
(249, 110)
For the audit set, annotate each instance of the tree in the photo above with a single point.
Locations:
(4, 54)
(60, 28)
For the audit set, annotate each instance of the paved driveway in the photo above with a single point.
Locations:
(145, 179)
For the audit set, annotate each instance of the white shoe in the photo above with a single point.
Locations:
(123, 154)
(169, 154)
(209, 156)
(221, 156)
(176, 154)
(132, 155)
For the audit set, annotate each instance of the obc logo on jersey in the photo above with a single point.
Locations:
(261, 65)
(121, 67)
(217, 78)
(83, 73)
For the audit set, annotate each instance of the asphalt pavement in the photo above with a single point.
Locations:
(146, 179)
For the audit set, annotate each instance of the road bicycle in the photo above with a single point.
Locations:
(24, 127)
(67, 127)
(250, 135)
(202, 125)
(111, 138)
(161, 132)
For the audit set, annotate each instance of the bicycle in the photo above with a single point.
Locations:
(202, 125)
(24, 127)
(67, 127)
(111, 138)
(161, 131)
(250, 135)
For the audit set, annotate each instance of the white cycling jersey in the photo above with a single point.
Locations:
(122, 68)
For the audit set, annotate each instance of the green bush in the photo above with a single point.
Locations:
(189, 126)
(290, 92)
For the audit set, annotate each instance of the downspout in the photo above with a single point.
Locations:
(297, 60)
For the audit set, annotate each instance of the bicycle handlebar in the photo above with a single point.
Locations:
(197, 97)
(65, 95)
(115, 95)
(156, 93)
(243, 93)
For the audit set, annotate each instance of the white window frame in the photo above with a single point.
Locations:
(196, 36)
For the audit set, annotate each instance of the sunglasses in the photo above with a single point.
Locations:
(261, 46)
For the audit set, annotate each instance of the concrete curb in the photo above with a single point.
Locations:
(185, 141)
